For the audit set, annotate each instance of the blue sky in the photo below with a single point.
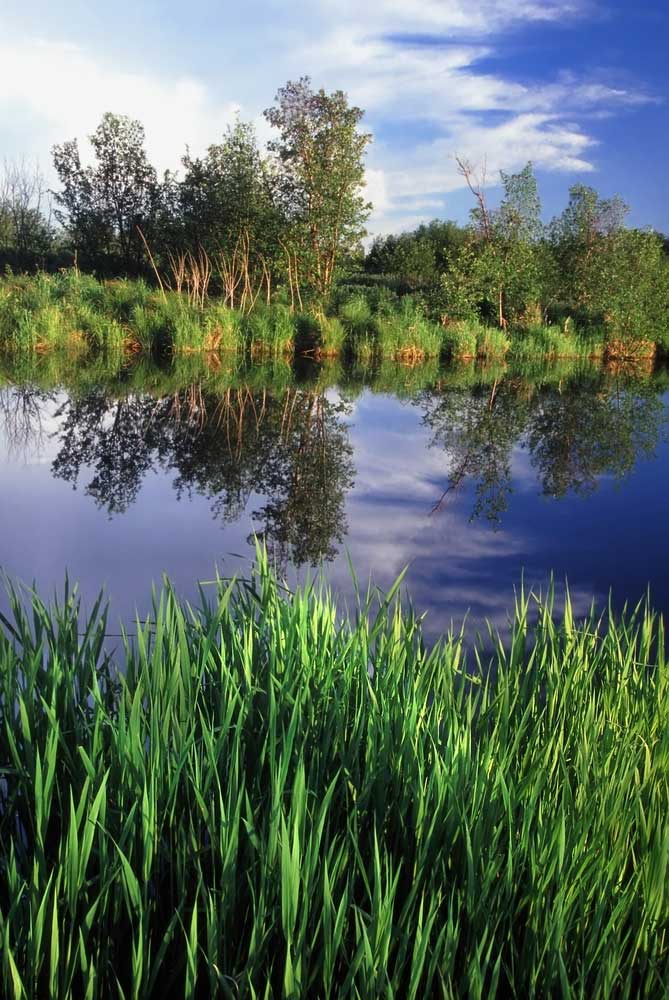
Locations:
(577, 86)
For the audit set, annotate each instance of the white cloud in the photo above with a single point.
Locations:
(477, 114)
(449, 16)
(426, 101)
(58, 91)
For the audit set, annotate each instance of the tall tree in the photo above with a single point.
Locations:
(580, 239)
(102, 206)
(320, 151)
(228, 192)
(228, 207)
(498, 269)
(416, 259)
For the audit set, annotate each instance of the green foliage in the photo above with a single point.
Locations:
(553, 342)
(320, 152)
(492, 343)
(101, 206)
(270, 798)
(356, 314)
(416, 259)
(229, 195)
(408, 335)
(332, 336)
(460, 292)
(635, 296)
(270, 330)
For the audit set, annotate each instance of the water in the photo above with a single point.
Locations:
(472, 479)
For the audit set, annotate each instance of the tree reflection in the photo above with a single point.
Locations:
(478, 429)
(576, 432)
(115, 439)
(577, 437)
(22, 413)
(285, 455)
(290, 449)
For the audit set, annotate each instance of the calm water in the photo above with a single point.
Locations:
(471, 479)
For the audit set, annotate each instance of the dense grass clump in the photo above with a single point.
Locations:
(266, 798)
(461, 339)
(408, 335)
(555, 342)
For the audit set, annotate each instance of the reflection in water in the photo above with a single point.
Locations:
(285, 453)
(292, 449)
(21, 418)
(575, 433)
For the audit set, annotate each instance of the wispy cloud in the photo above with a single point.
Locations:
(424, 101)
(479, 114)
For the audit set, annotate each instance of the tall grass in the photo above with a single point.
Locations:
(270, 330)
(408, 335)
(460, 339)
(557, 342)
(46, 312)
(270, 798)
(356, 315)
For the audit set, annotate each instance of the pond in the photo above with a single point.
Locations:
(473, 478)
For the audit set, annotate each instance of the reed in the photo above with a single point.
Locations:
(554, 342)
(409, 335)
(266, 796)
(47, 312)
(461, 339)
(270, 330)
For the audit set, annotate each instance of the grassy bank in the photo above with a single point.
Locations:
(273, 800)
(117, 318)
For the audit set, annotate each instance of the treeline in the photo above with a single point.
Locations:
(253, 226)
(508, 269)
(238, 218)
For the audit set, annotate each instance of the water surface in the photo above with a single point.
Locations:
(474, 479)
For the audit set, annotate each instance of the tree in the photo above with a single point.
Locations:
(613, 276)
(228, 207)
(24, 227)
(415, 259)
(631, 287)
(579, 240)
(498, 270)
(320, 155)
(228, 192)
(103, 206)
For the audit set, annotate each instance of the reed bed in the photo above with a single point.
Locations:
(267, 796)
(69, 310)
(555, 342)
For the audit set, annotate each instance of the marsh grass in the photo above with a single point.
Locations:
(270, 330)
(47, 312)
(492, 344)
(266, 796)
(555, 343)
(460, 339)
(332, 337)
(356, 315)
(408, 335)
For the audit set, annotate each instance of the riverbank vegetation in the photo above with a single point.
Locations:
(264, 796)
(125, 316)
(261, 249)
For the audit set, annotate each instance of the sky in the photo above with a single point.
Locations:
(579, 87)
